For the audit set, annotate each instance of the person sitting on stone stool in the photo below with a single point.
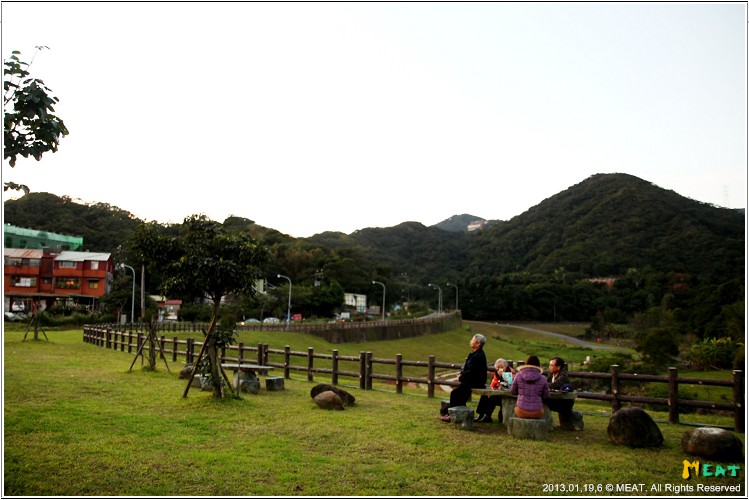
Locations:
(472, 376)
(531, 388)
(559, 381)
(502, 379)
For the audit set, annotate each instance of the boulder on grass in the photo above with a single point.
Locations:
(184, 374)
(712, 443)
(329, 400)
(633, 427)
(348, 399)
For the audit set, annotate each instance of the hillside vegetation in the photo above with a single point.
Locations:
(605, 250)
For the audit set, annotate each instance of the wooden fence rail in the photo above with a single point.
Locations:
(362, 368)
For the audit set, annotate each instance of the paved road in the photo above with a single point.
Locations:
(576, 341)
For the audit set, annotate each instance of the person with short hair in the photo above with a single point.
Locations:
(502, 379)
(559, 381)
(531, 388)
(472, 376)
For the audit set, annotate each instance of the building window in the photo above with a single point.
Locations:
(46, 281)
(24, 281)
(93, 284)
(94, 265)
(67, 282)
(12, 261)
(67, 264)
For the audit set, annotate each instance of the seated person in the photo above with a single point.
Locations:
(502, 379)
(472, 376)
(559, 381)
(531, 388)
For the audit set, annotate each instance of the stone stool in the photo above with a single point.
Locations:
(274, 383)
(529, 428)
(461, 415)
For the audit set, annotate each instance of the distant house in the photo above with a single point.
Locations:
(477, 224)
(40, 278)
(356, 300)
(20, 237)
(168, 308)
(609, 282)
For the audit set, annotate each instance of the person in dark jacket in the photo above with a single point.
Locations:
(559, 381)
(472, 376)
(531, 388)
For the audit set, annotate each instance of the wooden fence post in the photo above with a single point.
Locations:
(616, 405)
(286, 361)
(260, 354)
(362, 370)
(310, 363)
(189, 350)
(673, 396)
(240, 354)
(739, 400)
(399, 373)
(175, 348)
(265, 354)
(334, 375)
(430, 376)
(370, 370)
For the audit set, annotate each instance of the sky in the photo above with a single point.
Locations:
(312, 117)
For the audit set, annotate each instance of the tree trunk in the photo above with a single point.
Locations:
(213, 354)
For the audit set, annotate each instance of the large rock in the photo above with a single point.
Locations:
(712, 443)
(348, 399)
(184, 374)
(634, 428)
(329, 400)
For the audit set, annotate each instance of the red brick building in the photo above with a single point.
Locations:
(74, 278)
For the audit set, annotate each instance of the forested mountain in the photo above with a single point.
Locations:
(103, 227)
(538, 265)
(610, 223)
(458, 223)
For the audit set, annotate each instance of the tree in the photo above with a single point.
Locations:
(212, 263)
(31, 128)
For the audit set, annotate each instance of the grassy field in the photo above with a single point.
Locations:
(76, 422)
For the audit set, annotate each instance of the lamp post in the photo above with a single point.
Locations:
(132, 300)
(383, 297)
(288, 310)
(439, 300)
(456, 294)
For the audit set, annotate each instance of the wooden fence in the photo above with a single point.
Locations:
(362, 368)
(335, 333)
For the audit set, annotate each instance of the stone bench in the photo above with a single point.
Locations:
(529, 428)
(274, 383)
(461, 415)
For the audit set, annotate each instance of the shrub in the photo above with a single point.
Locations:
(715, 354)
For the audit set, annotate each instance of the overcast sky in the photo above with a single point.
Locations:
(328, 116)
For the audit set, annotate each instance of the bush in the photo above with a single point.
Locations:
(715, 354)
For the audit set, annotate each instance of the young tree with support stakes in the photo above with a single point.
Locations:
(206, 261)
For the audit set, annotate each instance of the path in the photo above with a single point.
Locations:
(576, 341)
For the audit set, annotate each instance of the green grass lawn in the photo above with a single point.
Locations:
(76, 422)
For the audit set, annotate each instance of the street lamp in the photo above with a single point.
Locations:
(132, 301)
(456, 295)
(383, 297)
(439, 300)
(288, 310)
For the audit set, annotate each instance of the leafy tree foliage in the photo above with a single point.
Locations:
(204, 260)
(31, 127)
